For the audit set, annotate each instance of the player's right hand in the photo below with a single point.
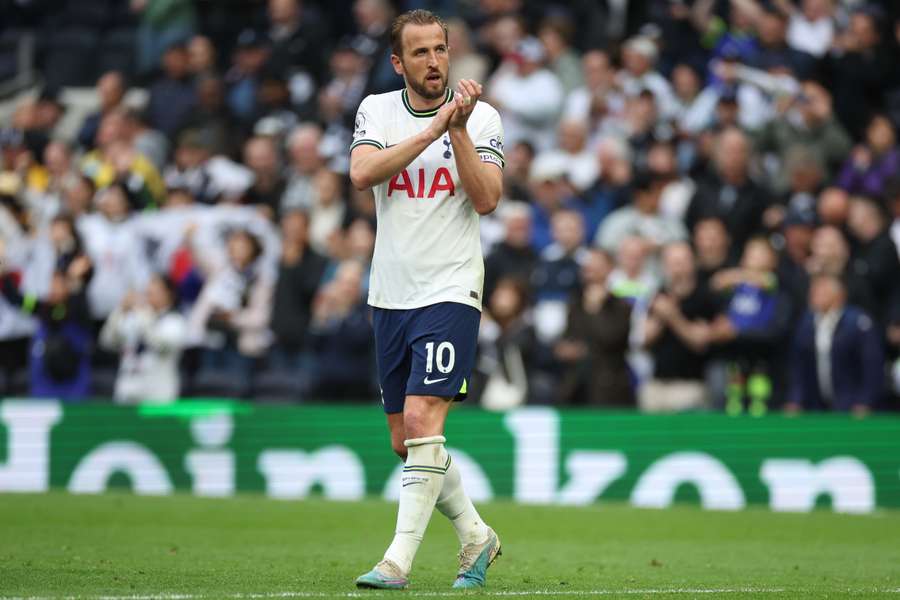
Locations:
(442, 120)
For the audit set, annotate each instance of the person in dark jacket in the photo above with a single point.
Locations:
(514, 256)
(875, 256)
(837, 360)
(595, 343)
(342, 338)
(730, 193)
(299, 273)
(59, 363)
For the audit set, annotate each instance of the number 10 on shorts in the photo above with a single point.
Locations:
(444, 358)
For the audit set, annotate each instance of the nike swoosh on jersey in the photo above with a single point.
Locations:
(430, 381)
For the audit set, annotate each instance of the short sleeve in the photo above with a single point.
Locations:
(489, 141)
(367, 130)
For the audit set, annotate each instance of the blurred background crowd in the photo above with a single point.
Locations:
(701, 207)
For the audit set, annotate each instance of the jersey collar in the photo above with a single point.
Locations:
(425, 113)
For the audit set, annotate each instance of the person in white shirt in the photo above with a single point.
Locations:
(433, 157)
(528, 95)
(149, 334)
(120, 265)
(639, 58)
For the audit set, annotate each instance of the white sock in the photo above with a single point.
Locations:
(423, 478)
(454, 504)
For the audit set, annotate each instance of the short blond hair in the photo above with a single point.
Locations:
(413, 17)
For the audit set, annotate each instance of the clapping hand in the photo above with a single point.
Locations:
(468, 92)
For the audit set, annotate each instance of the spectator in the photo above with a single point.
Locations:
(595, 341)
(830, 255)
(59, 363)
(599, 99)
(212, 117)
(505, 344)
(149, 334)
(809, 124)
(300, 272)
(202, 59)
(811, 28)
(465, 62)
(148, 142)
(571, 147)
(556, 33)
(373, 22)
(231, 316)
(305, 160)
(328, 213)
(797, 228)
(872, 164)
(555, 278)
(632, 280)
(342, 93)
(115, 160)
(299, 45)
(639, 59)
(342, 337)
(516, 175)
(261, 156)
(111, 90)
(713, 247)
(696, 106)
(833, 207)
(642, 219)
(513, 257)
(752, 326)
(527, 94)
(677, 192)
(172, 96)
(242, 79)
(837, 358)
(162, 23)
(774, 49)
(550, 192)
(860, 68)
(43, 194)
(875, 254)
(677, 332)
(728, 192)
(119, 266)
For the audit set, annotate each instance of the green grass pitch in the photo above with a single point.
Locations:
(120, 546)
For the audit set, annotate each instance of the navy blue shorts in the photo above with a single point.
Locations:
(428, 351)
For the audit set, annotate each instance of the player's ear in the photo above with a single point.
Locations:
(398, 64)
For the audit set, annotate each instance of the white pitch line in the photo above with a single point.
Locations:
(499, 593)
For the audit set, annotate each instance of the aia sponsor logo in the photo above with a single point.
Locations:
(425, 188)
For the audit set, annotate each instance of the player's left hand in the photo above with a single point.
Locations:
(468, 91)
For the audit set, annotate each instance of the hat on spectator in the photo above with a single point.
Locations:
(531, 49)
(644, 46)
(548, 167)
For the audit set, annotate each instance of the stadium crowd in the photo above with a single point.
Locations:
(701, 204)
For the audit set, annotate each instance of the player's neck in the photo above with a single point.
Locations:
(418, 103)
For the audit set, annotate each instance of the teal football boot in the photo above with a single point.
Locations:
(385, 576)
(474, 560)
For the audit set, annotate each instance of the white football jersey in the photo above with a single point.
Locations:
(428, 245)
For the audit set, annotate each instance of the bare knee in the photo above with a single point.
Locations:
(424, 416)
(399, 448)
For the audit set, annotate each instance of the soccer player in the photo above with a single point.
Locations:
(434, 157)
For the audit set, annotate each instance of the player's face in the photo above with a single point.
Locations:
(426, 60)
